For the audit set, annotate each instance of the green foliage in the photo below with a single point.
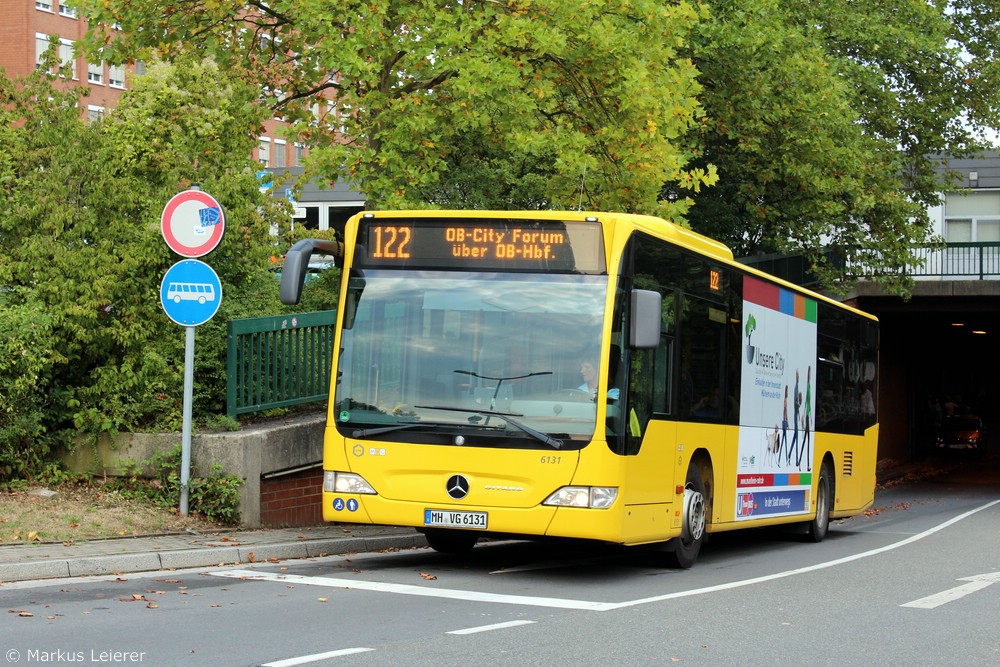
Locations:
(157, 481)
(25, 380)
(594, 87)
(825, 119)
(83, 256)
(221, 423)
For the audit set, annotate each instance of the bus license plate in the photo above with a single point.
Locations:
(449, 519)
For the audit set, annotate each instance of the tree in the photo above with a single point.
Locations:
(82, 250)
(825, 119)
(589, 88)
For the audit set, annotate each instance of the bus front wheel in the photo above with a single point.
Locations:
(683, 551)
(451, 541)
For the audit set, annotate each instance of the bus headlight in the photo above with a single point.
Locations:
(345, 482)
(593, 497)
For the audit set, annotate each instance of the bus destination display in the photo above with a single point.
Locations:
(483, 244)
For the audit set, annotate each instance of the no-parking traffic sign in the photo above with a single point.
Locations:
(192, 223)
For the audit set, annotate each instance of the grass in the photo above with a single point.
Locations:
(87, 511)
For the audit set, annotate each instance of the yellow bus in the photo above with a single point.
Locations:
(604, 376)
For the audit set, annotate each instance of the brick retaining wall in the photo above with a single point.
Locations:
(292, 500)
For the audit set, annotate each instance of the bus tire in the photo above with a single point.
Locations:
(451, 541)
(683, 551)
(817, 528)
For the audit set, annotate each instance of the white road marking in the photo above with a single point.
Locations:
(315, 657)
(584, 605)
(406, 589)
(487, 628)
(976, 583)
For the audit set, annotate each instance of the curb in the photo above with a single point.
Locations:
(207, 557)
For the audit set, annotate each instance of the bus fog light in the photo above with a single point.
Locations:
(345, 482)
(594, 497)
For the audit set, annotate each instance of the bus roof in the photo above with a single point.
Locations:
(682, 236)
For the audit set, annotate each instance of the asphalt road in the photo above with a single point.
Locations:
(915, 582)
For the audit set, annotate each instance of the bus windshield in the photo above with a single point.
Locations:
(470, 358)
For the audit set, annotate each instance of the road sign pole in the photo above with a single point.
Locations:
(186, 424)
(192, 224)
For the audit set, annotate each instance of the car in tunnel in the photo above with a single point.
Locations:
(961, 432)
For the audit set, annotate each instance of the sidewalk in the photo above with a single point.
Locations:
(22, 562)
(50, 560)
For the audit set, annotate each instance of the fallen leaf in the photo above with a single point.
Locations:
(152, 605)
(136, 597)
(33, 536)
(74, 524)
(428, 577)
(251, 557)
(215, 605)
(324, 599)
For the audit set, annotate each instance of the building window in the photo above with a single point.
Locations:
(67, 59)
(64, 10)
(116, 76)
(95, 114)
(298, 152)
(41, 46)
(972, 217)
(95, 73)
(343, 114)
(264, 152)
(44, 5)
(279, 153)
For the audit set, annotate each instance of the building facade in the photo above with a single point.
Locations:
(25, 33)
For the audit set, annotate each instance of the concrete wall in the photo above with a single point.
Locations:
(253, 453)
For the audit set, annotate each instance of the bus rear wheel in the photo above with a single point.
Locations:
(683, 551)
(451, 541)
(817, 528)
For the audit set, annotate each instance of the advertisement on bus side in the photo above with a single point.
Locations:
(777, 402)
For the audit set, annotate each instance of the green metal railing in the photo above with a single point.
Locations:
(979, 261)
(274, 362)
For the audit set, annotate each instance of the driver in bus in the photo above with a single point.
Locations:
(590, 374)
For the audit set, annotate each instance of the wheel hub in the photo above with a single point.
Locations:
(693, 522)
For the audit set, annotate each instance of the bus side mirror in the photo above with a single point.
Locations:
(296, 264)
(644, 332)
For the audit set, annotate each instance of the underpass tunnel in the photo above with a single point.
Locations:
(938, 354)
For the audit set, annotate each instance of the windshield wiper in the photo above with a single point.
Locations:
(500, 380)
(554, 443)
(365, 432)
(379, 430)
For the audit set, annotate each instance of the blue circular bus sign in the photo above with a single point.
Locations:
(190, 292)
